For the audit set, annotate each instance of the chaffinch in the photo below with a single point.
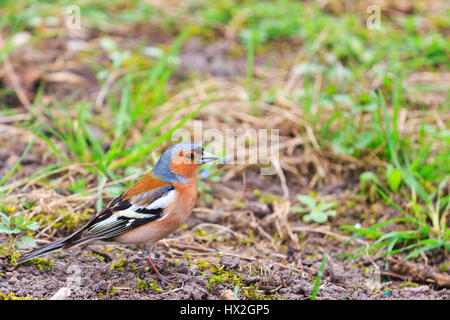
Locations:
(154, 207)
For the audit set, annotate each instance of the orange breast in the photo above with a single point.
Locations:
(172, 218)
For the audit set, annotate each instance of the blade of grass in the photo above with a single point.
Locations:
(389, 135)
(250, 64)
(138, 153)
(416, 252)
(157, 77)
(319, 276)
(120, 125)
(409, 179)
(16, 165)
(363, 231)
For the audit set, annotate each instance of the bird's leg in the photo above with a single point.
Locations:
(146, 251)
(146, 248)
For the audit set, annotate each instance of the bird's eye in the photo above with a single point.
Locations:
(199, 150)
(190, 155)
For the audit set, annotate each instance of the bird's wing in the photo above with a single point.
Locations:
(141, 204)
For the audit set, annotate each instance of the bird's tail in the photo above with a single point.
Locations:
(51, 247)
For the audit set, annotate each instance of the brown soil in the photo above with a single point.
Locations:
(90, 274)
(262, 269)
(114, 272)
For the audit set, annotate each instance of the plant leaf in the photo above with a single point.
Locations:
(32, 225)
(394, 178)
(317, 216)
(368, 177)
(5, 229)
(327, 205)
(299, 209)
(19, 219)
(309, 201)
(26, 242)
(5, 218)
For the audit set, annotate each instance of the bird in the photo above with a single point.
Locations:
(150, 210)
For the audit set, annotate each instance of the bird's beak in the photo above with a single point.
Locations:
(208, 157)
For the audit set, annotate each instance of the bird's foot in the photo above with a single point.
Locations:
(166, 279)
(158, 275)
(159, 262)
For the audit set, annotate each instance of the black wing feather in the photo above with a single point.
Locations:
(110, 230)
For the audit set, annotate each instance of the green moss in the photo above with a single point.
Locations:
(8, 210)
(229, 278)
(123, 264)
(187, 256)
(350, 203)
(252, 293)
(251, 236)
(154, 286)
(257, 193)
(112, 291)
(3, 250)
(12, 296)
(445, 267)
(141, 284)
(311, 256)
(409, 284)
(43, 263)
(13, 258)
(266, 198)
(119, 265)
(220, 275)
(203, 264)
(93, 254)
(69, 221)
(200, 232)
(238, 205)
(73, 219)
(174, 261)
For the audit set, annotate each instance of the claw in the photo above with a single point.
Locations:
(166, 279)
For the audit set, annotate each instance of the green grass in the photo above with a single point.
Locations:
(425, 227)
(355, 110)
(17, 164)
(319, 276)
(133, 108)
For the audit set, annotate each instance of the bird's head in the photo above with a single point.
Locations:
(181, 162)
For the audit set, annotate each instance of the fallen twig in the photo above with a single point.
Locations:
(419, 273)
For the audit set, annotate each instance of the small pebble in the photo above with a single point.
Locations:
(61, 294)
(227, 295)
